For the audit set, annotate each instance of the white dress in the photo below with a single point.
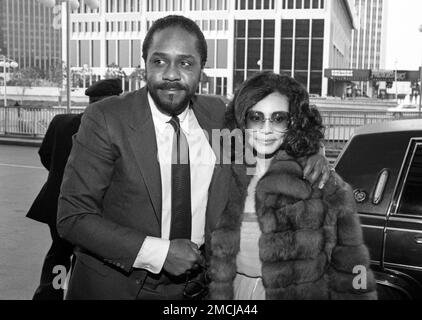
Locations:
(248, 282)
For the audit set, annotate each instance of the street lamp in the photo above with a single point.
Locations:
(6, 63)
(395, 81)
(70, 5)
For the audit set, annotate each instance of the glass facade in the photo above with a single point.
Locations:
(27, 34)
(254, 48)
(206, 5)
(367, 39)
(255, 4)
(123, 5)
(301, 56)
(303, 4)
(214, 85)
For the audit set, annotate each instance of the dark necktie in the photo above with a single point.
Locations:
(181, 217)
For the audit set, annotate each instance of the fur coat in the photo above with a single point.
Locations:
(311, 239)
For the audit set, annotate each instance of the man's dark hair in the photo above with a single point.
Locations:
(173, 21)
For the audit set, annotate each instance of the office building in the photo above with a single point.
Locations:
(2, 28)
(297, 37)
(369, 37)
(28, 35)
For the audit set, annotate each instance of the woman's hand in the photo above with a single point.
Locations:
(317, 167)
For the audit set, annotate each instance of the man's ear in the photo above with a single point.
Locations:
(204, 78)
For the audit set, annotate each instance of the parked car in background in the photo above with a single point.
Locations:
(403, 108)
(383, 164)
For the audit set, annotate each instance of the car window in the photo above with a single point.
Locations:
(363, 172)
(410, 202)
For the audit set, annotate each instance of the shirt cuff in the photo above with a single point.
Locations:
(152, 255)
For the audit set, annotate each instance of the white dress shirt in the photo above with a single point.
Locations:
(202, 159)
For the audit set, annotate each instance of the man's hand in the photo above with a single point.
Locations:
(183, 255)
(317, 167)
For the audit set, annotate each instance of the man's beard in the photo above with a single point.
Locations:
(168, 104)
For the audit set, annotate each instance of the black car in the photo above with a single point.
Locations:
(383, 163)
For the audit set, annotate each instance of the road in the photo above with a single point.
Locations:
(23, 242)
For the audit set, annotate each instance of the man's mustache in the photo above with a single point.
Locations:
(171, 86)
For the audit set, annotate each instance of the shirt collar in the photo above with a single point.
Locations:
(161, 120)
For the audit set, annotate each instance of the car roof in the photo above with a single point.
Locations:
(391, 126)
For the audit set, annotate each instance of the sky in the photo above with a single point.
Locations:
(404, 41)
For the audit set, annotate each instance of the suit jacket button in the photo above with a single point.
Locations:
(138, 281)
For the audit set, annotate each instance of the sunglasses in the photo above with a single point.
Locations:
(256, 120)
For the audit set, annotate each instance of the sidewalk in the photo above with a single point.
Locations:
(23, 242)
(20, 141)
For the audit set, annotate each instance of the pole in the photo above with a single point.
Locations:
(4, 81)
(395, 82)
(420, 90)
(420, 79)
(5, 95)
(68, 26)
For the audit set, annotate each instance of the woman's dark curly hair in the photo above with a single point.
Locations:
(305, 130)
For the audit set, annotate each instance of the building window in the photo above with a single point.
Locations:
(205, 25)
(205, 5)
(211, 54)
(73, 53)
(221, 86)
(254, 47)
(96, 53)
(255, 4)
(164, 5)
(136, 53)
(307, 4)
(124, 53)
(222, 47)
(410, 201)
(214, 85)
(286, 46)
(212, 25)
(290, 4)
(84, 52)
(307, 45)
(317, 55)
(217, 54)
(111, 52)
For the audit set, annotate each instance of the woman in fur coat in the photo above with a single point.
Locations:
(280, 237)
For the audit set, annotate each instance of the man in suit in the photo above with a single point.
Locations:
(54, 152)
(138, 217)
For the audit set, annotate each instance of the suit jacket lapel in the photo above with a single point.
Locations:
(144, 145)
(207, 123)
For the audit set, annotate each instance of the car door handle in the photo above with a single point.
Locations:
(418, 240)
